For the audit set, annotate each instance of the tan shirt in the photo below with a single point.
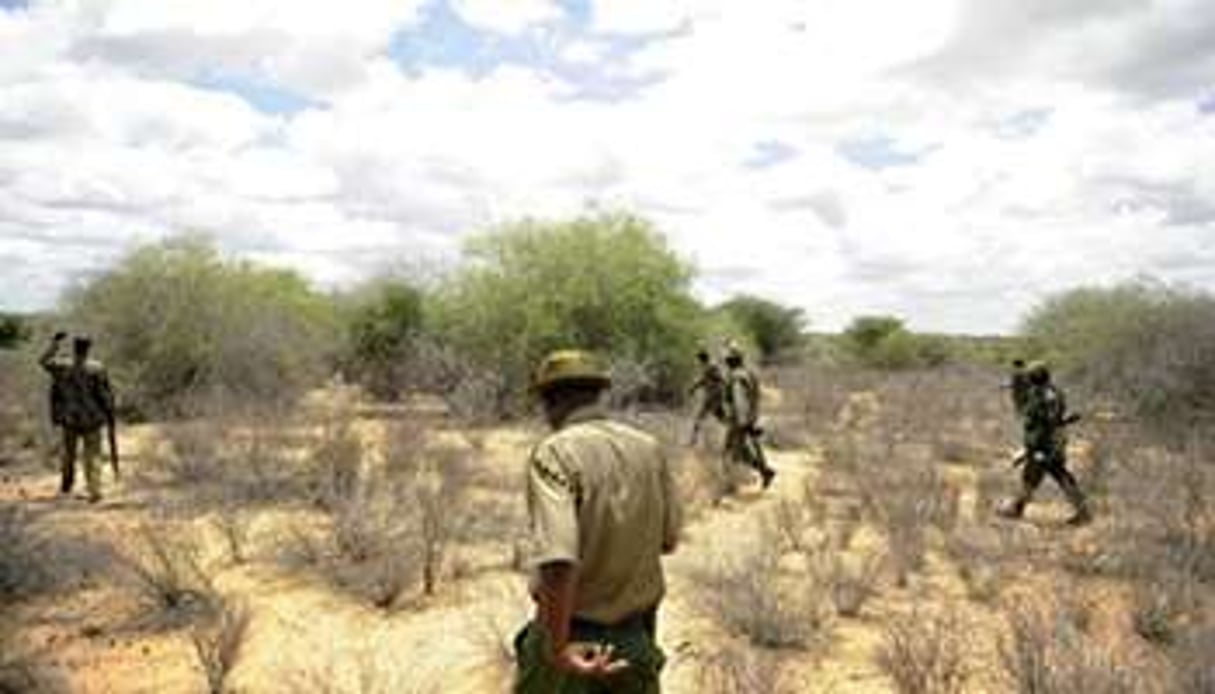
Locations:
(600, 495)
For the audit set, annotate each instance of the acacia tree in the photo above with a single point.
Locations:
(774, 328)
(607, 283)
(180, 324)
(382, 325)
(1146, 344)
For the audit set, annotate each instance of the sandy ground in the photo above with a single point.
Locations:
(305, 636)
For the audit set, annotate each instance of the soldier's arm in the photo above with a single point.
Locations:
(554, 545)
(47, 359)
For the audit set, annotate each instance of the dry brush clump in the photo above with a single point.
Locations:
(35, 561)
(738, 669)
(218, 642)
(395, 533)
(1049, 648)
(906, 496)
(926, 652)
(167, 570)
(752, 594)
(848, 579)
(254, 457)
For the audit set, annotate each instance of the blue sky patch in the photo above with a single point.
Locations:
(579, 12)
(877, 152)
(766, 153)
(443, 39)
(10, 5)
(260, 94)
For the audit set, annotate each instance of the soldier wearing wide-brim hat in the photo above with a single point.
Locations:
(603, 509)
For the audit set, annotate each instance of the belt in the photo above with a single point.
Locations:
(644, 620)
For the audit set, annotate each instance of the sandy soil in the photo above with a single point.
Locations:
(305, 636)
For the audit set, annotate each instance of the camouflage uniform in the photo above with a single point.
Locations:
(1045, 439)
(741, 405)
(600, 496)
(712, 385)
(82, 404)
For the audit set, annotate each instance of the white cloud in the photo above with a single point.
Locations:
(507, 17)
(986, 180)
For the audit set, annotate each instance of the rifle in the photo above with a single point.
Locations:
(113, 436)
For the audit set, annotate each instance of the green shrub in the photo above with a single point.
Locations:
(884, 342)
(773, 327)
(382, 324)
(1145, 344)
(177, 322)
(607, 283)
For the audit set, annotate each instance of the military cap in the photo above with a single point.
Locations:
(569, 366)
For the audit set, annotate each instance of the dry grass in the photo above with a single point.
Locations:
(1049, 649)
(218, 643)
(747, 593)
(849, 580)
(167, 572)
(925, 653)
(738, 669)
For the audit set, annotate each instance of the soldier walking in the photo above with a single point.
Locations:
(712, 385)
(1045, 422)
(741, 405)
(603, 509)
(82, 403)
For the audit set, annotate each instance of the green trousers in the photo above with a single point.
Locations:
(90, 441)
(634, 641)
(743, 447)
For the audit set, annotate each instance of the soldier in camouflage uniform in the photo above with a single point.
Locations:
(82, 403)
(712, 385)
(741, 405)
(1045, 422)
(603, 509)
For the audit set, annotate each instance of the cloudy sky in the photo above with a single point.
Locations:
(950, 161)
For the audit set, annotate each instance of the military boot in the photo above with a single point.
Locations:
(1012, 508)
(768, 474)
(1080, 513)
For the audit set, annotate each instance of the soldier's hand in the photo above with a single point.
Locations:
(590, 659)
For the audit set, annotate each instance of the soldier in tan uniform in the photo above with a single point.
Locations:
(82, 403)
(603, 510)
(743, 433)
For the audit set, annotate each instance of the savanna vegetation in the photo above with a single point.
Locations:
(322, 488)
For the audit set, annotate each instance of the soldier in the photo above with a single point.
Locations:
(1045, 421)
(81, 403)
(1018, 387)
(603, 509)
(712, 386)
(741, 405)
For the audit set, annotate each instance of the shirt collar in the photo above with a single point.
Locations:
(586, 413)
